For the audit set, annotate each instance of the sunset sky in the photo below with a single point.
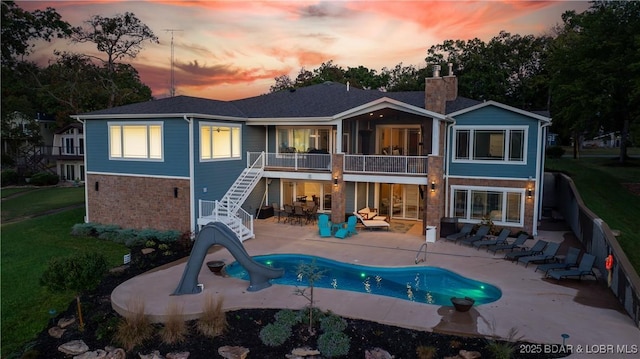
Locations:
(234, 49)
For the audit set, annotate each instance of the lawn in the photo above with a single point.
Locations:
(39, 201)
(6, 192)
(600, 181)
(27, 247)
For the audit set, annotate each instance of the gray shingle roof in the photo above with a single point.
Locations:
(322, 100)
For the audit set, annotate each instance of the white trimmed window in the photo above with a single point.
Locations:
(136, 141)
(220, 141)
(501, 205)
(490, 144)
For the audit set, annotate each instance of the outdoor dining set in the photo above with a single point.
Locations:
(296, 213)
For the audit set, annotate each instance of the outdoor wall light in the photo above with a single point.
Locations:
(433, 186)
(175, 192)
(529, 192)
(335, 181)
(97, 185)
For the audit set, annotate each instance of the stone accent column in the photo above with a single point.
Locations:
(434, 199)
(337, 191)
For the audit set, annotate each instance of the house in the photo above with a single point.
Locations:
(181, 162)
(67, 150)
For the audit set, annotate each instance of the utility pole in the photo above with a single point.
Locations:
(172, 89)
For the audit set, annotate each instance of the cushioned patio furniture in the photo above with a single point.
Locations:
(478, 236)
(517, 243)
(585, 267)
(372, 223)
(500, 239)
(548, 254)
(371, 214)
(537, 248)
(465, 231)
(570, 260)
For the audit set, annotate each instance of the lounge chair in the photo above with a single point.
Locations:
(324, 225)
(371, 214)
(571, 260)
(464, 232)
(537, 248)
(501, 239)
(548, 254)
(347, 228)
(372, 223)
(519, 241)
(480, 233)
(584, 268)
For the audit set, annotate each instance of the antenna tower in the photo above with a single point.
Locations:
(172, 89)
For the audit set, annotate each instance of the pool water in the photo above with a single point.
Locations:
(430, 285)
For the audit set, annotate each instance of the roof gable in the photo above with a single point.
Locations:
(502, 106)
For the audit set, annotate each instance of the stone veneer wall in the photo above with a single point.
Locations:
(435, 200)
(529, 212)
(338, 199)
(138, 202)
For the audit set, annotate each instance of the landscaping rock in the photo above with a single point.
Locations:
(230, 352)
(304, 353)
(65, 322)
(96, 354)
(377, 353)
(465, 354)
(178, 355)
(56, 332)
(74, 347)
(115, 353)
(154, 355)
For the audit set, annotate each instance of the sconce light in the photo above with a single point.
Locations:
(175, 192)
(97, 186)
(335, 181)
(529, 192)
(433, 186)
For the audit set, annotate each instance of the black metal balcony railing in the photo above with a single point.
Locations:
(61, 151)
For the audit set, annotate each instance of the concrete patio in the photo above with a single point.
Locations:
(540, 310)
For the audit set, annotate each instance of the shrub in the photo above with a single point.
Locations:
(333, 323)
(44, 179)
(107, 232)
(9, 177)
(288, 317)
(275, 334)
(555, 151)
(175, 329)
(168, 236)
(124, 234)
(135, 328)
(148, 234)
(334, 344)
(213, 321)
(134, 241)
(83, 230)
(426, 352)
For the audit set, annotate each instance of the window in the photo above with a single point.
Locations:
(303, 140)
(488, 144)
(220, 141)
(503, 205)
(135, 141)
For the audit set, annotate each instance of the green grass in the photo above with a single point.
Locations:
(27, 247)
(40, 200)
(6, 192)
(600, 183)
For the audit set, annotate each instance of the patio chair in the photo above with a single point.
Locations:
(537, 248)
(464, 232)
(519, 241)
(501, 239)
(480, 233)
(288, 213)
(312, 213)
(324, 225)
(585, 267)
(347, 228)
(548, 254)
(571, 260)
(276, 210)
(299, 214)
(372, 223)
(371, 213)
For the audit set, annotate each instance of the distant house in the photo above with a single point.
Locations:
(181, 162)
(67, 151)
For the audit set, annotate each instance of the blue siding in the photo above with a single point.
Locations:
(175, 150)
(495, 116)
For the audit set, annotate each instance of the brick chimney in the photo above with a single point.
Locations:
(438, 90)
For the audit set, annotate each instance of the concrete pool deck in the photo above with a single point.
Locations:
(540, 310)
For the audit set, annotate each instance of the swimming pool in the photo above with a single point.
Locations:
(428, 285)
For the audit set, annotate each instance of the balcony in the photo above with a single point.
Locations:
(354, 164)
(64, 152)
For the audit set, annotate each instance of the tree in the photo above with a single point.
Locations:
(283, 82)
(20, 28)
(118, 37)
(79, 273)
(595, 64)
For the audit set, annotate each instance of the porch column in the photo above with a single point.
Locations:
(337, 190)
(435, 193)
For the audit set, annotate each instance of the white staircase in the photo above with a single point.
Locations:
(228, 210)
